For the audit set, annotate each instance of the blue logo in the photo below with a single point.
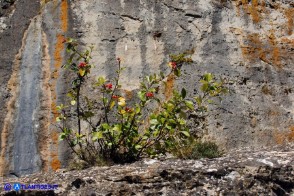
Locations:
(16, 186)
(7, 187)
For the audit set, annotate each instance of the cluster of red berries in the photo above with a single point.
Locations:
(82, 65)
(149, 94)
(108, 86)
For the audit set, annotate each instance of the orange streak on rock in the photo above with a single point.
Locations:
(58, 58)
(59, 47)
(64, 15)
(275, 51)
(254, 8)
(169, 86)
(289, 13)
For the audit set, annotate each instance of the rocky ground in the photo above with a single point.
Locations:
(239, 172)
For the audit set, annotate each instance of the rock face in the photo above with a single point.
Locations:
(242, 172)
(248, 42)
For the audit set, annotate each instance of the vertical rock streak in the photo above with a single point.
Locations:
(7, 125)
(58, 60)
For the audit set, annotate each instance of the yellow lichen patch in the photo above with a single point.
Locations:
(169, 86)
(289, 13)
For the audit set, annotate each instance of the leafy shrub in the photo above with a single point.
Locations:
(121, 130)
(196, 149)
(205, 150)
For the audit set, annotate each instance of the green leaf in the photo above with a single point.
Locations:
(204, 87)
(208, 77)
(62, 136)
(177, 72)
(73, 102)
(97, 135)
(58, 119)
(186, 133)
(209, 101)
(137, 147)
(117, 128)
(189, 104)
(198, 100)
(105, 126)
(170, 107)
(138, 110)
(100, 81)
(153, 121)
(182, 121)
(183, 93)
(105, 100)
(141, 95)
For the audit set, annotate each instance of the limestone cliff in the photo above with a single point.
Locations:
(248, 42)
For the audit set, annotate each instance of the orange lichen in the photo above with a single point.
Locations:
(169, 86)
(128, 94)
(268, 48)
(281, 138)
(275, 51)
(252, 8)
(64, 15)
(254, 50)
(289, 13)
(59, 48)
(290, 136)
(55, 163)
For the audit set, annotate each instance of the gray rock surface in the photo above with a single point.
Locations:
(248, 42)
(242, 172)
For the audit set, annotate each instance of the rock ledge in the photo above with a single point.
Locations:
(240, 172)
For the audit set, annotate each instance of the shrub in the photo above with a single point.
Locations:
(196, 149)
(121, 130)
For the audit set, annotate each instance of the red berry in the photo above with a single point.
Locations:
(149, 94)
